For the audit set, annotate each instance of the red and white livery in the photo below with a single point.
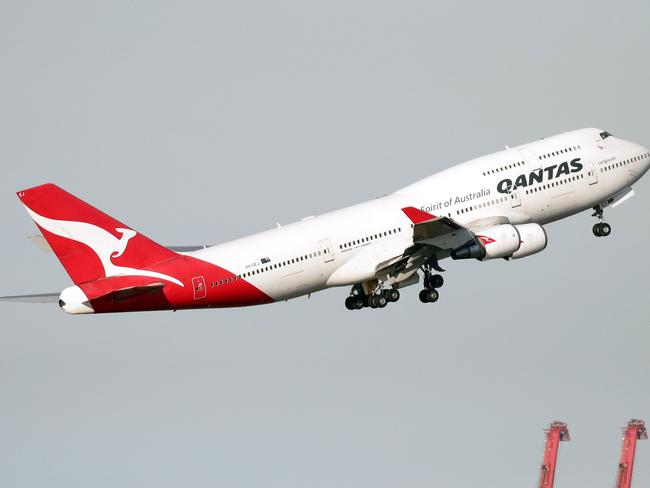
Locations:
(490, 207)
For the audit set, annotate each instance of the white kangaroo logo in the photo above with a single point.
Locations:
(102, 242)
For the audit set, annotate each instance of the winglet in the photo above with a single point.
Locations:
(417, 216)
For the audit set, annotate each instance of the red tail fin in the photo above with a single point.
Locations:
(90, 244)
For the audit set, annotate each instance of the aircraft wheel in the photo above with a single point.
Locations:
(381, 301)
(359, 303)
(596, 230)
(605, 229)
(351, 303)
(437, 281)
(432, 296)
(423, 296)
(392, 295)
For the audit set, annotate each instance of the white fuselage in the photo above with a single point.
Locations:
(304, 257)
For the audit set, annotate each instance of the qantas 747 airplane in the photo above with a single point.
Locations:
(487, 208)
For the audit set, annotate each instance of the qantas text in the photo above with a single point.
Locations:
(539, 176)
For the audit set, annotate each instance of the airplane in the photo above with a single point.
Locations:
(492, 207)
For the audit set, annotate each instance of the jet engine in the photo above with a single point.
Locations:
(533, 240)
(497, 241)
(503, 241)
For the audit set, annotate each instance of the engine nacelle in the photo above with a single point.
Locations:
(500, 241)
(533, 240)
(497, 241)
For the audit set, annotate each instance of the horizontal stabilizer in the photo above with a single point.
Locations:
(43, 245)
(185, 248)
(39, 298)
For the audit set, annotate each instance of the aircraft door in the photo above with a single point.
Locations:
(200, 291)
(515, 201)
(592, 174)
(326, 250)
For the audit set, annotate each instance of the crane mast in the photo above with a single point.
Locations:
(557, 432)
(634, 431)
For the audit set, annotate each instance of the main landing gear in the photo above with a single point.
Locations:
(374, 295)
(358, 299)
(431, 283)
(602, 228)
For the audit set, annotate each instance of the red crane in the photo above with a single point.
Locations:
(634, 431)
(557, 431)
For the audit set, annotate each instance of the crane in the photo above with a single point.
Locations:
(557, 431)
(634, 431)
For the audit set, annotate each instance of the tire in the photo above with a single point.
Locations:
(424, 298)
(437, 281)
(392, 295)
(359, 303)
(432, 296)
(596, 230)
(372, 301)
(605, 229)
(381, 301)
(350, 303)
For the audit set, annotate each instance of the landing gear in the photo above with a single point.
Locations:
(378, 298)
(431, 281)
(377, 301)
(372, 294)
(429, 295)
(353, 303)
(602, 228)
(392, 295)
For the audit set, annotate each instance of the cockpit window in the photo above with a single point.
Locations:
(605, 135)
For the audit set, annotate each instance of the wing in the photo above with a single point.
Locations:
(433, 239)
(39, 298)
(443, 234)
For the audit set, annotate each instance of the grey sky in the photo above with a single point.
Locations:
(200, 122)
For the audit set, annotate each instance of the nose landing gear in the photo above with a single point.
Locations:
(602, 228)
